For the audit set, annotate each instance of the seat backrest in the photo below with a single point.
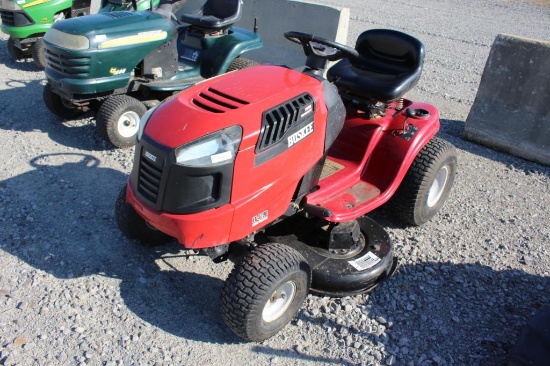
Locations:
(387, 51)
(215, 14)
(389, 65)
(222, 9)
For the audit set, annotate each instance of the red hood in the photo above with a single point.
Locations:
(237, 98)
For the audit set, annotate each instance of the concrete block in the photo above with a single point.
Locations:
(511, 111)
(275, 17)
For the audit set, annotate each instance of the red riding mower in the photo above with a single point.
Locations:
(275, 169)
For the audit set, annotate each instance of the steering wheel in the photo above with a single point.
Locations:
(306, 40)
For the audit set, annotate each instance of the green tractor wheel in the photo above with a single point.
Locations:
(16, 53)
(118, 120)
(38, 54)
(60, 106)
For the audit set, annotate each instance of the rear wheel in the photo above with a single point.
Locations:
(134, 226)
(38, 54)
(241, 63)
(265, 291)
(59, 106)
(427, 184)
(118, 120)
(16, 53)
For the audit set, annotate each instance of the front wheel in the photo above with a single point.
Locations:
(38, 54)
(427, 184)
(241, 63)
(134, 226)
(118, 120)
(16, 53)
(59, 106)
(264, 291)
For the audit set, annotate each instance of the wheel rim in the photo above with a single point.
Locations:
(128, 124)
(438, 186)
(279, 301)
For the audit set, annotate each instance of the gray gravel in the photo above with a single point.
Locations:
(73, 290)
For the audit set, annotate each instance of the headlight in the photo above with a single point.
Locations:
(9, 5)
(212, 149)
(66, 40)
(143, 121)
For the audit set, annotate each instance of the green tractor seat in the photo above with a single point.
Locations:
(215, 14)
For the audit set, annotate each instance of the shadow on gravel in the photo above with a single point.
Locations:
(23, 109)
(471, 309)
(184, 304)
(59, 218)
(26, 64)
(452, 130)
(285, 353)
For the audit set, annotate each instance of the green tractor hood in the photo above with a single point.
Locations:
(98, 52)
(113, 24)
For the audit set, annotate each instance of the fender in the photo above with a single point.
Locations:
(386, 158)
(221, 51)
(390, 169)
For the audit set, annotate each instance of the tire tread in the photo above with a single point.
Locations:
(404, 203)
(108, 114)
(241, 63)
(252, 278)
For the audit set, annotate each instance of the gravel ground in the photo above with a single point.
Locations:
(73, 290)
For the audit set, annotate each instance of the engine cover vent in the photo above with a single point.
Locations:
(215, 101)
(277, 121)
(118, 14)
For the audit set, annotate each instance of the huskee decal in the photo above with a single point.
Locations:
(300, 134)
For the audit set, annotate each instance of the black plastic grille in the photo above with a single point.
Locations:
(15, 18)
(214, 101)
(8, 17)
(149, 179)
(67, 65)
(277, 121)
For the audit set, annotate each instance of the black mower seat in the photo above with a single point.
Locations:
(389, 64)
(215, 14)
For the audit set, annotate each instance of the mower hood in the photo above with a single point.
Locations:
(108, 30)
(238, 98)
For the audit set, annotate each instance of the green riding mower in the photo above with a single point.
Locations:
(26, 21)
(120, 64)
